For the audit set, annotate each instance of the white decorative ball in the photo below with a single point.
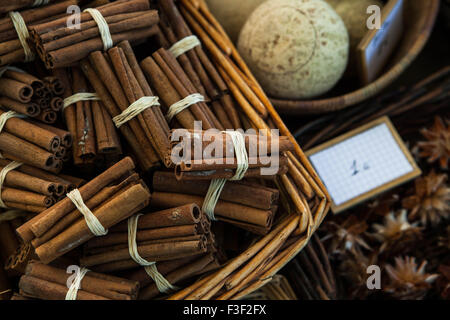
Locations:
(297, 49)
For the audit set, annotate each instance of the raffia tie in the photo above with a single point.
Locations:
(134, 109)
(38, 3)
(22, 33)
(150, 267)
(216, 185)
(81, 96)
(184, 45)
(75, 286)
(179, 106)
(91, 220)
(103, 28)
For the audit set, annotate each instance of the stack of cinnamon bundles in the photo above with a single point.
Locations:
(245, 205)
(139, 128)
(37, 98)
(60, 45)
(46, 282)
(171, 234)
(113, 196)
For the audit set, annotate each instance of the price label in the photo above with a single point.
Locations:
(363, 163)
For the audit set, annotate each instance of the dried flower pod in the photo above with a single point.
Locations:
(354, 268)
(407, 280)
(347, 236)
(431, 199)
(396, 231)
(437, 148)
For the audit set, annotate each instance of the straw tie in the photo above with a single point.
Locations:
(103, 28)
(81, 96)
(91, 220)
(75, 286)
(216, 185)
(134, 109)
(184, 45)
(150, 267)
(179, 106)
(22, 33)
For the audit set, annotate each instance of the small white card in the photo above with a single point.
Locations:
(363, 163)
(378, 44)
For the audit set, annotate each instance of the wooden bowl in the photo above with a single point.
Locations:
(420, 18)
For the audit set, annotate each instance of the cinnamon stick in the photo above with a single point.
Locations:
(118, 208)
(41, 223)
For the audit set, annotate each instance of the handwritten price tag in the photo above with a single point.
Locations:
(378, 44)
(363, 163)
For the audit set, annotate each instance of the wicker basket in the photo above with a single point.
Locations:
(421, 16)
(260, 262)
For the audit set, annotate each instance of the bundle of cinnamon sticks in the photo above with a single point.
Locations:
(88, 121)
(11, 48)
(28, 95)
(60, 45)
(172, 85)
(119, 81)
(34, 143)
(112, 197)
(245, 205)
(49, 283)
(175, 233)
(198, 65)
